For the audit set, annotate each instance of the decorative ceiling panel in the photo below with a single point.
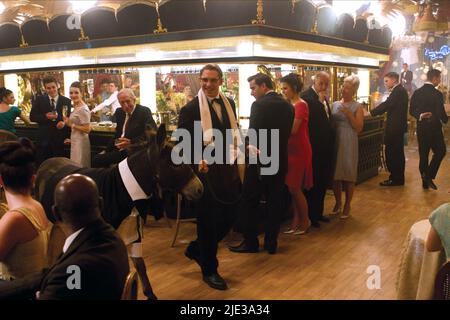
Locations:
(21, 10)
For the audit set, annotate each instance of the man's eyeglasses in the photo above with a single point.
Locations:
(212, 80)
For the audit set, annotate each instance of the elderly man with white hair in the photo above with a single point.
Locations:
(321, 137)
(132, 122)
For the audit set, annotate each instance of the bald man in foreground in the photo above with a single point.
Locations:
(94, 261)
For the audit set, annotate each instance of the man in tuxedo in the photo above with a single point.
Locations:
(94, 261)
(406, 78)
(270, 113)
(216, 210)
(321, 136)
(427, 106)
(47, 111)
(396, 106)
(132, 122)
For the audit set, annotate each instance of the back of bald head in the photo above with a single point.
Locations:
(77, 200)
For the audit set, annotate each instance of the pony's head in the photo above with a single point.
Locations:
(176, 177)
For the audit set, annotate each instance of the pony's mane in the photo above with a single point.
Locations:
(150, 138)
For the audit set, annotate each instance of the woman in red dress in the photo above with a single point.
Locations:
(299, 176)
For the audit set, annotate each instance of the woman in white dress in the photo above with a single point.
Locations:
(79, 122)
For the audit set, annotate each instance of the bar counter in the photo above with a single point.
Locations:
(99, 136)
(370, 148)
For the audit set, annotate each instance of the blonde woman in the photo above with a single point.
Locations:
(348, 116)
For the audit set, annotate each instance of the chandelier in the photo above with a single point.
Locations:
(433, 17)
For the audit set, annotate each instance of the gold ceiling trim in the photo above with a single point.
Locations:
(270, 43)
(48, 9)
(322, 48)
(51, 8)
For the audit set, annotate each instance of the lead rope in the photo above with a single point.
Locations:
(215, 197)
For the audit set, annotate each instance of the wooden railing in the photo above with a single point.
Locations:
(370, 148)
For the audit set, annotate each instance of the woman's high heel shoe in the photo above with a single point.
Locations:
(336, 210)
(300, 232)
(291, 230)
(345, 214)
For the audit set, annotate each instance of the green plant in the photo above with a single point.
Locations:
(161, 102)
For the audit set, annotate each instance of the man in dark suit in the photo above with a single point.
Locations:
(406, 78)
(132, 122)
(94, 261)
(270, 114)
(47, 111)
(427, 106)
(321, 136)
(216, 210)
(396, 106)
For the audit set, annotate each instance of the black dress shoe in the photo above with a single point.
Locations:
(215, 281)
(391, 183)
(315, 224)
(425, 184)
(432, 185)
(244, 248)
(324, 219)
(270, 248)
(191, 256)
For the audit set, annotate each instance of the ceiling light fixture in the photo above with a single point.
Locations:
(80, 6)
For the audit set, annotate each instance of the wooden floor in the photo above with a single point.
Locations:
(329, 263)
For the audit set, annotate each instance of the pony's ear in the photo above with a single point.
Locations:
(161, 135)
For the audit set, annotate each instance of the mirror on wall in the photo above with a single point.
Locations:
(177, 85)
